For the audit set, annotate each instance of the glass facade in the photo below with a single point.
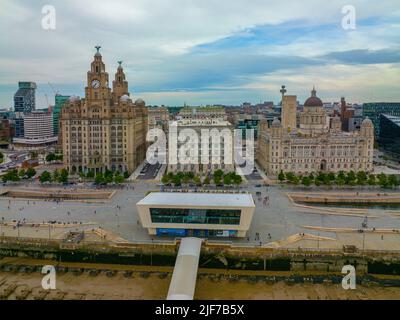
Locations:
(195, 216)
(60, 100)
(389, 135)
(374, 110)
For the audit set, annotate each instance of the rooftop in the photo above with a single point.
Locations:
(198, 199)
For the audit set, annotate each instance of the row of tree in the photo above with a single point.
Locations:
(15, 175)
(351, 178)
(60, 176)
(54, 157)
(109, 177)
(219, 178)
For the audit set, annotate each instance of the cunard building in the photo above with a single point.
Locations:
(106, 129)
(316, 144)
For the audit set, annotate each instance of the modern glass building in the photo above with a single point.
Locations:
(374, 110)
(60, 100)
(389, 135)
(182, 214)
(24, 103)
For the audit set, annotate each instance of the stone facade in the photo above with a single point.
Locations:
(105, 130)
(317, 144)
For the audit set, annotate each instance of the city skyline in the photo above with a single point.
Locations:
(205, 53)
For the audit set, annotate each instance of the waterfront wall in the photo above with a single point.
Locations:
(219, 256)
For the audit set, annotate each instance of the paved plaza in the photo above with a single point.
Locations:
(276, 218)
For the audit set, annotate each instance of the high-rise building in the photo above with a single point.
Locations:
(24, 103)
(60, 100)
(106, 130)
(374, 110)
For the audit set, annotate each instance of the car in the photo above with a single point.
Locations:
(258, 185)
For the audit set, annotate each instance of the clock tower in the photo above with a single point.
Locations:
(97, 90)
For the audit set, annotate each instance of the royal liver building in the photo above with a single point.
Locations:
(106, 129)
(316, 144)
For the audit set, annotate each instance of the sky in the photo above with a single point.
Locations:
(203, 52)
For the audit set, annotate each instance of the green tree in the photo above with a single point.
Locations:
(197, 180)
(306, 181)
(290, 176)
(371, 180)
(217, 180)
(50, 157)
(90, 174)
(99, 179)
(350, 177)
(176, 180)
(206, 180)
(237, 179)
(392, 181)
(22, 173)
(126, 175)
(227, 179)
(30, 172)
(56, 175)
(382, 179)
(119, 179)
(218, 173)
(361, 177)
(45, 177)
(63, 176)
(281, 176)
(331, 176)
(165, 179)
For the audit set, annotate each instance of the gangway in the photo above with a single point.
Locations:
(184, 277)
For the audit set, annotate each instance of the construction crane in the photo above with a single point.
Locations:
(52, 88)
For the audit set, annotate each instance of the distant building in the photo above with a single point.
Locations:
(158, 117)
(24, 103)
(60, 100)
(374, 110)
(316, 144)
(389, 133)
(38, 130)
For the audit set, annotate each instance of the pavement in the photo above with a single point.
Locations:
(273, 220)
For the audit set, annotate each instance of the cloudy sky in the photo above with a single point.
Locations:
(205, 51)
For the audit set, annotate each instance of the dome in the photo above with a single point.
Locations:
(140, 102)
(367, 122)
(276, 122)
(124, 98)
(313, 101)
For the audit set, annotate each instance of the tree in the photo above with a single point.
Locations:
(306, 181)
(11, 175)
(237, 179)
(197, 180)
(361, 177)
(331, 176)
(45, 177)
(392, 181)
(126, 174)
(290, 176)
(30, 172)
(186, 178)
(371, 180)
(351, 176)
(50, 157)
(206, 180)
(56, 175)
(165, 179)
(33, 154)
(176, 180)
(218, 173)
(281, 176)
(90, 174)
(22, 173)
(99, 179)
(217, 180)
(119, 179)
(228, 179)
(382, 179)
(63, 176)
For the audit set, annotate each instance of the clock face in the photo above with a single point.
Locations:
(95, 84)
